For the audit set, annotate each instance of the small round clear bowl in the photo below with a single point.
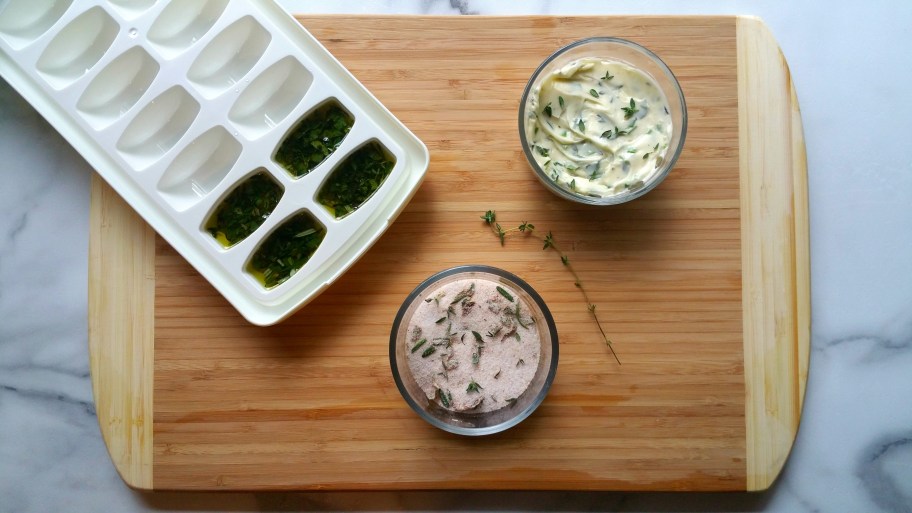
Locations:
(468, 423)
(636, 56)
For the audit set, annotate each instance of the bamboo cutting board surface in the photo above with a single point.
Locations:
(703, 285)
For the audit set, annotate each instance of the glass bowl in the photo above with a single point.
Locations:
(493, 369)
(625, 52)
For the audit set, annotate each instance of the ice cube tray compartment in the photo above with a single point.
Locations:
(178, 103)
(293, 241)
(229, 56)
(307, 144)
(182, 23)
(158, 127)
(368, 166)
(24, 21)
(254, 195)
(270, 97)
(77, 48)
(117, 87)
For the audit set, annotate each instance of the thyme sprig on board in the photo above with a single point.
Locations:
(490, 218)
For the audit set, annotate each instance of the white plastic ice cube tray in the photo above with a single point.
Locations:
(175, 103)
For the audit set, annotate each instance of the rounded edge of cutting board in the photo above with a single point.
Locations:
(121, 322)
(775, 252)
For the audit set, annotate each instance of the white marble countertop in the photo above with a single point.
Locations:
(851, 66)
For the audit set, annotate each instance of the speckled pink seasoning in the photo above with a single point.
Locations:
(472, 347)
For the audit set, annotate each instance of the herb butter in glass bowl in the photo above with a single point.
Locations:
(473, 350)
(602, 121)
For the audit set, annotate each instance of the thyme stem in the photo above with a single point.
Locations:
(548, 243)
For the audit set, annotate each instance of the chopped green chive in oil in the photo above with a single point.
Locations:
(356, 179)
(286, 250)
(244, 210)
(314, 139)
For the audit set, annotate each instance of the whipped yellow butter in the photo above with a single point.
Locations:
(598, 127)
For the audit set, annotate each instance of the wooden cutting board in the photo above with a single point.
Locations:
(703, 286)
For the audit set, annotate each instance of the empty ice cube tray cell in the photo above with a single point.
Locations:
(158, 127)
(199, 168)
(182, 23)
(24, 21)
(77, 48)
(117, 88)
(270, 97)
(229, 56)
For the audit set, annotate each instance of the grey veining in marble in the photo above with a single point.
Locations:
(852, 67)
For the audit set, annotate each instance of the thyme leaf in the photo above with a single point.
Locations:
(419, 344)
(504, 293)
(445, 397)
(465, 293)
(631, 110)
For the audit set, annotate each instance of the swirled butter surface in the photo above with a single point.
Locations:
(598, 127)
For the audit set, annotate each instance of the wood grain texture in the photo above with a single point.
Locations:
(310, 403)
(776, 276)
(121, 299)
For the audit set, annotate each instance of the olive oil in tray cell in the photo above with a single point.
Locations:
(244, 209)
(199, 168)
(353, 182)
(314, 138)
(286, 250)
(270, 97)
